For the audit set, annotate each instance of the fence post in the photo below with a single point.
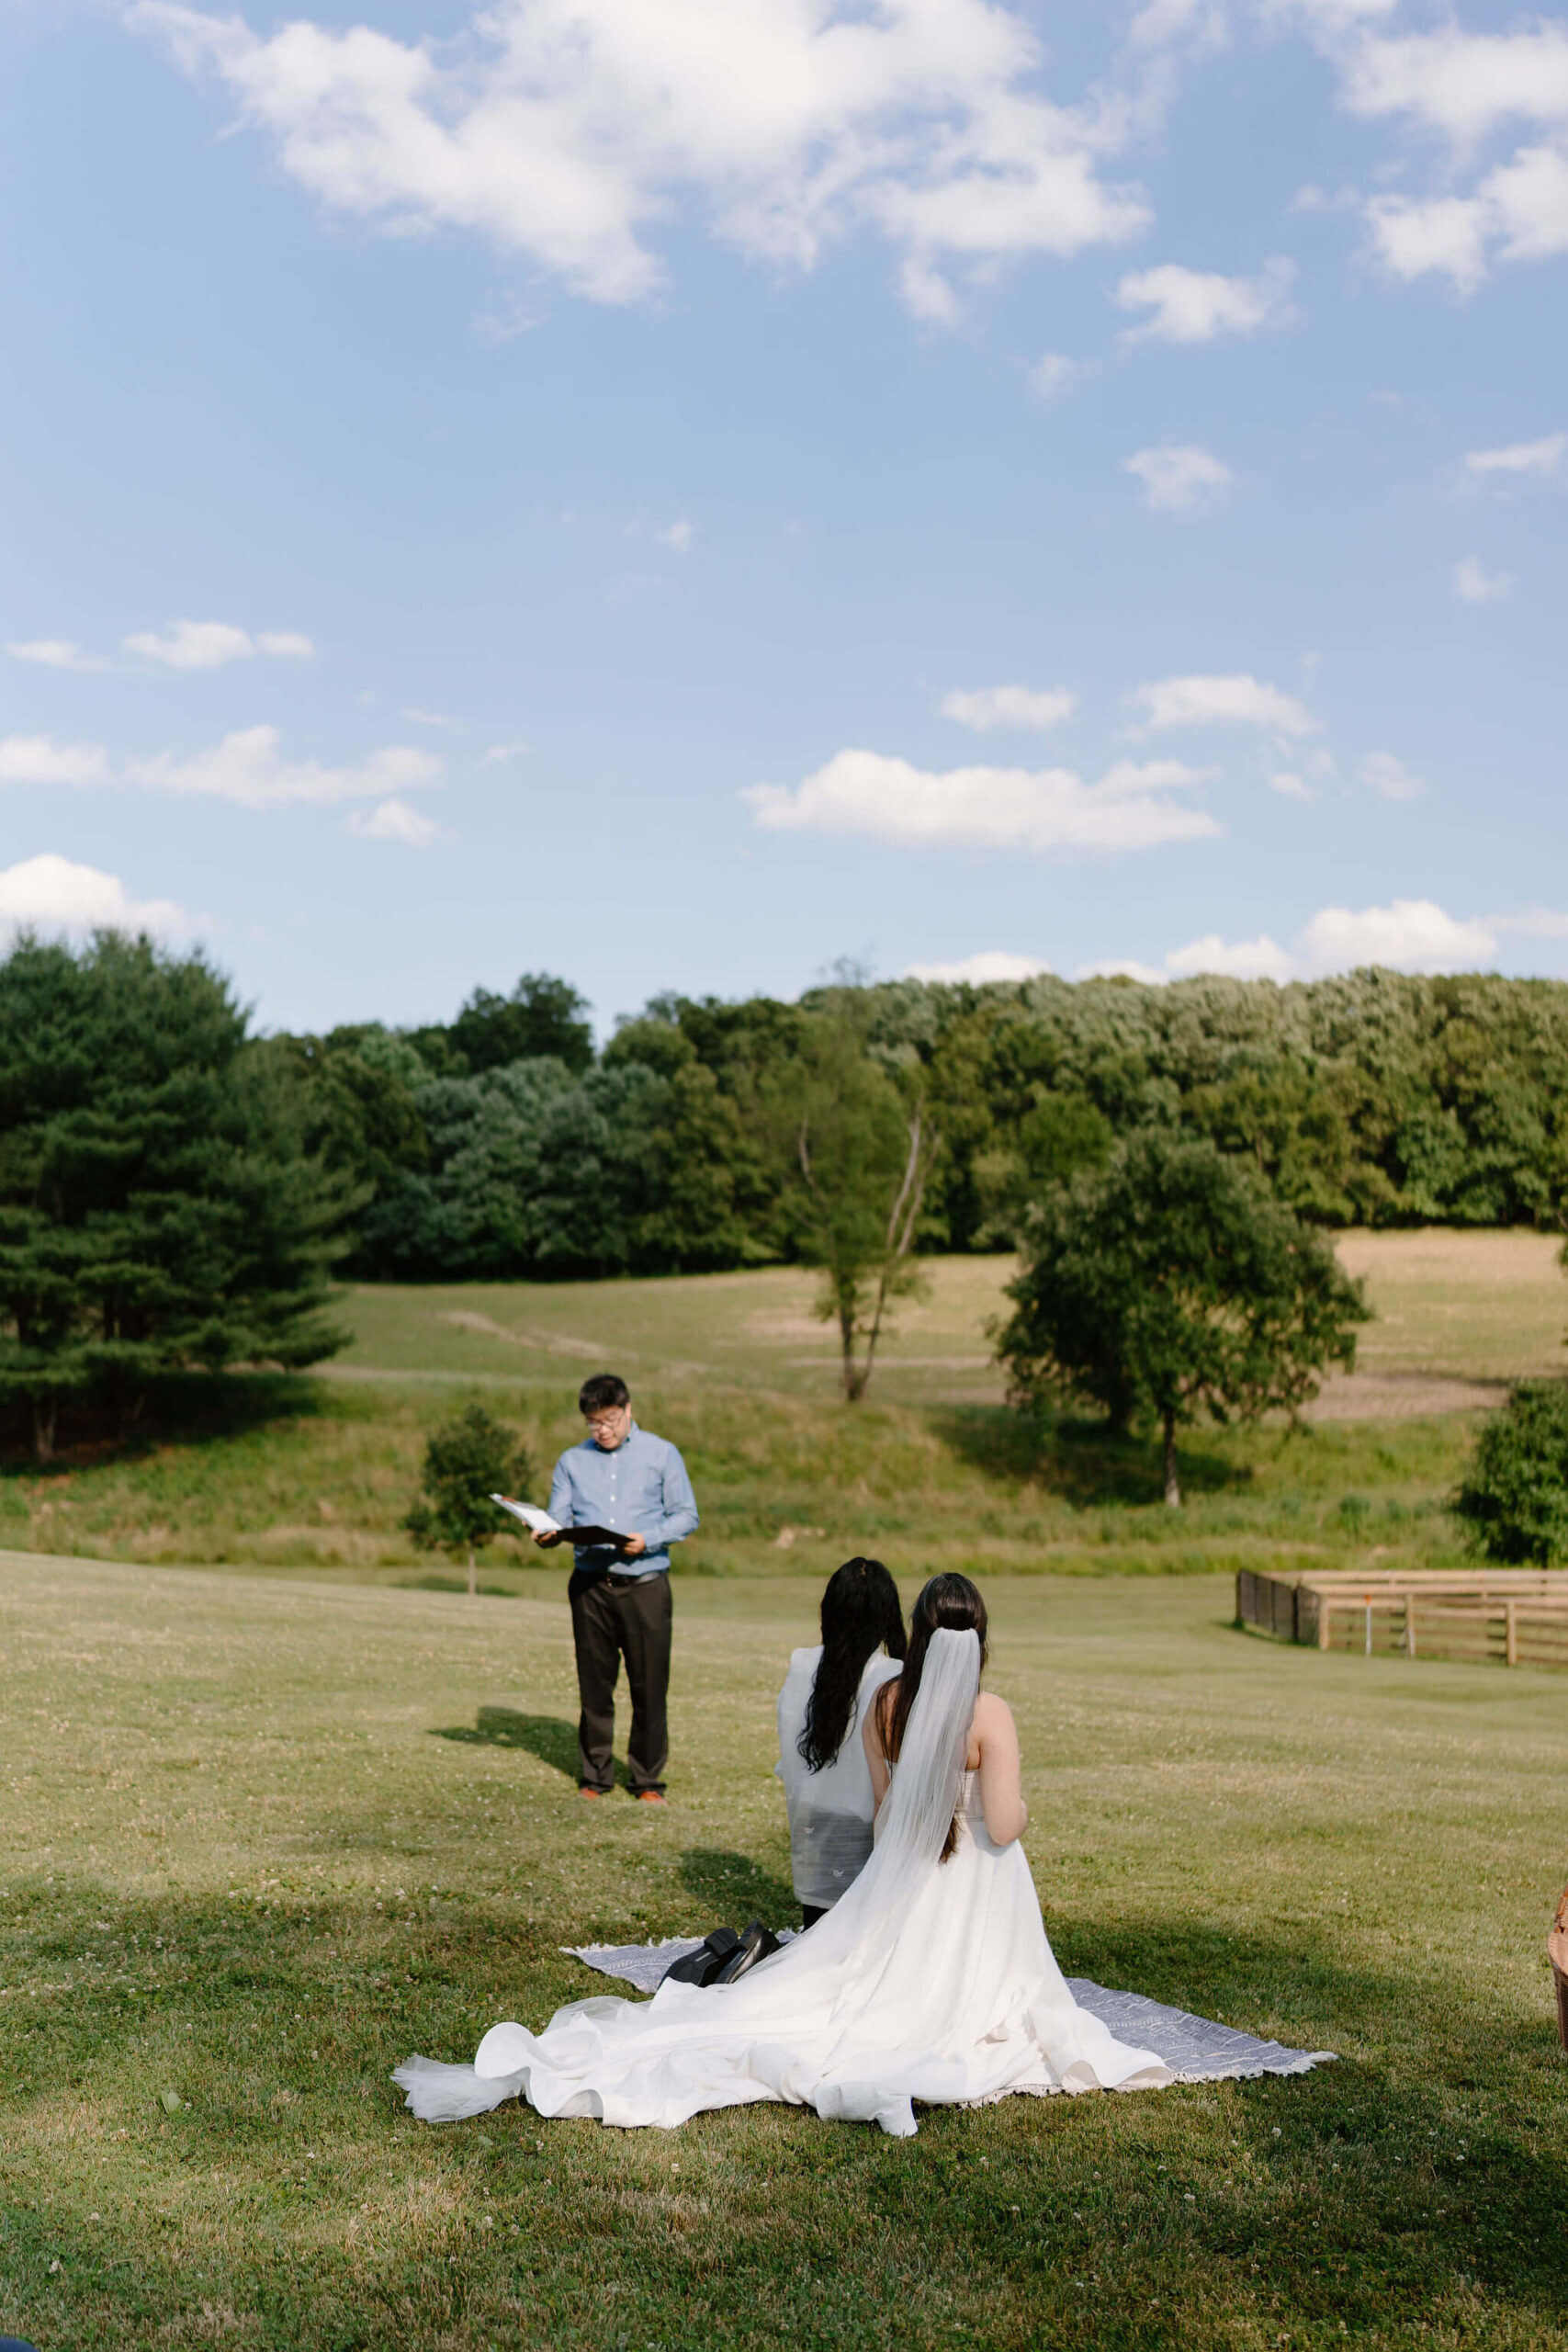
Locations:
(1410, 1625)
(1511, 1618)
(1368, 1624)
(1324, 1626)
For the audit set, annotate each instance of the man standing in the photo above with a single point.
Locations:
(625, 1479)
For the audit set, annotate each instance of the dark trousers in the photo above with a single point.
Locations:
(614, 1617)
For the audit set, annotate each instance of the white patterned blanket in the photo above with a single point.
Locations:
(1197, 2050)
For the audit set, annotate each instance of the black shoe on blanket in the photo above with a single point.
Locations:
(755, 1944)
(701, 1967)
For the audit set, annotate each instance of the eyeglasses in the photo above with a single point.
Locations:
(606, 1421)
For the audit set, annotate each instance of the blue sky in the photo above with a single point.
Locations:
(677, 492)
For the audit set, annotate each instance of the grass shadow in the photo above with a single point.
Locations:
(549, 1738)
(734, 1889)
(1084, 1462)
(183, 1409)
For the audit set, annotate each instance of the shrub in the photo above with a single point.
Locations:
(1514, 1497)
(466, 1460)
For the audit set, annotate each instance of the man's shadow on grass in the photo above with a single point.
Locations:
(549, 1738)
(735, 1889)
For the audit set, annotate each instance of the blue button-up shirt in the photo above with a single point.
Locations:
(640, 1490)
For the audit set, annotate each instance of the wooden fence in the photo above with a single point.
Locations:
(1502, 1616)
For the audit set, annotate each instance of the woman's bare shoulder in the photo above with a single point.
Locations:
(991, 1712)
(879, 1715)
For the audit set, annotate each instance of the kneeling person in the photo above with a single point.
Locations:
(624, 1478)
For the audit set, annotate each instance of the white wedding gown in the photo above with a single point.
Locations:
(928, 1980)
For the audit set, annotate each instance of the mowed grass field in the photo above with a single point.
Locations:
(1461, 1309)
(261, 1837)
(317, 1474)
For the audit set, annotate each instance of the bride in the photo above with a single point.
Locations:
(931, 1979)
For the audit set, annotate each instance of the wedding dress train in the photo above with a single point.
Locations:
(928, 1980)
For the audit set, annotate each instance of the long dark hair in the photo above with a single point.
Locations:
(860, 1615)
(950, 1601)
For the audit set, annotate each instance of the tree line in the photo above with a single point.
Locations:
(503, 1145)
(178, 1192)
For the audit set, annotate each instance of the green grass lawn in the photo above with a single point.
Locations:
(318, 1473)
(262, 1838)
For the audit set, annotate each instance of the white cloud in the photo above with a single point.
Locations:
(991, 964)
(1519, 212)
(498, 753)
(1247, 959)
(418, 717)
(1477, 586)
(56, 653)
(246, 768)
(1196, 305)
(565, 131)
(1122, 968)
(1238, 700)
(1313, 198)
(192, 645)
(1292, 786)
(38, 758)
(679, 537)
(1162, 23)
(1053, 372)
(1543, 457)
(1411, 936)
(927, 294)
(1466, 86)
(1414, 240)
(1390, 778)
(1035, 707)
(1532, 922)
(52, 894)
(212, 645)
(394, 820)
(866, 794)
(1179, 480)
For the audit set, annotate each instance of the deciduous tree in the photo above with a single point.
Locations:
(1172, 1284)
(857, 1140)
(542, 1016)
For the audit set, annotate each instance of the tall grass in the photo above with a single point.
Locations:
(319, 1475)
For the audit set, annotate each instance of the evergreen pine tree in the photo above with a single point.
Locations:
(158, 1212)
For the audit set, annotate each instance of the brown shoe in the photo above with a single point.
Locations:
(651, 1797)
(584, 1791)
